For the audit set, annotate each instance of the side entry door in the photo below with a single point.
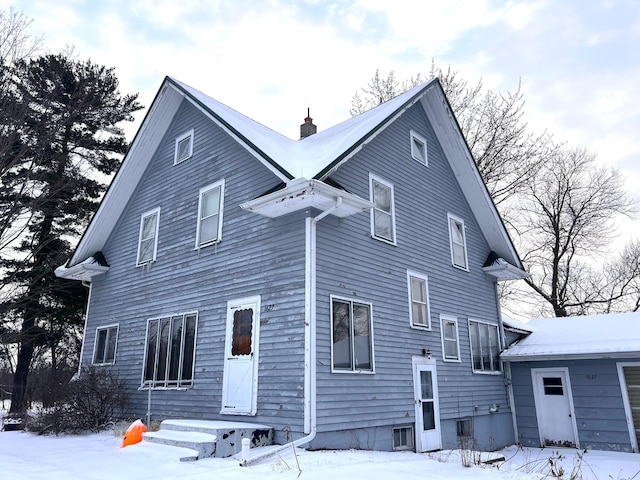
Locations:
(425, 386)
(240, 377)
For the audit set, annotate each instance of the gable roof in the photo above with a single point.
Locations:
(313, 158)
(595, 336)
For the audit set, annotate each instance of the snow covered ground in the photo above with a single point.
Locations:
(26, 456)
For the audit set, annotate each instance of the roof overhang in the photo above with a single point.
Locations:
(541, 357)
(503, 270)
(84, 271)
(300, 194)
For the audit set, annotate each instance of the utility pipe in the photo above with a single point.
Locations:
(310, 423)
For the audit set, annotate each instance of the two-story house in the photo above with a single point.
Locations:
(340, 288)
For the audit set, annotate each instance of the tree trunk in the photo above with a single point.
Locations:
(25, 355)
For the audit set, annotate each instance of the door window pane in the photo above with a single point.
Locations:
(426, 385)
(428, 416)
(242, 332)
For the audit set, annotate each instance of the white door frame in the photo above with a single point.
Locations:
(538, 396)
(418, 364)
(230, 361)
(627, 403)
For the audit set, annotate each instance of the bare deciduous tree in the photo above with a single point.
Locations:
(565, 228)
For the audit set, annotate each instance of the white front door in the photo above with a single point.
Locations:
(240, 378)
(554, 407)
(425, 387)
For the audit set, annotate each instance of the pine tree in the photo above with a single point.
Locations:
(69, 141)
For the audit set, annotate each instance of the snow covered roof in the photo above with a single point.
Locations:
(312, 158)
(596, 336)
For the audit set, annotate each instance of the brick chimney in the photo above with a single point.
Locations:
(307, 128)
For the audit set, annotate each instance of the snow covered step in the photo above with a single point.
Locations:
(202, 444)
(227, 435)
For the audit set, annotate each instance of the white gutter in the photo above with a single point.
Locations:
(310, 362)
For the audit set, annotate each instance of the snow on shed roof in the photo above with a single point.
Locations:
(594, 336)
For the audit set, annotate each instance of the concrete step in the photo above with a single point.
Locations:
(203, 445)
(211, 437)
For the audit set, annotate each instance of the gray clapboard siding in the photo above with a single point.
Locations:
(376, 272)
(597, 400)
(257, 256)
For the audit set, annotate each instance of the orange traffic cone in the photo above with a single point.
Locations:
(134, 433)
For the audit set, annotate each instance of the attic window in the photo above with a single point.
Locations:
(184, 147)
(418, 148)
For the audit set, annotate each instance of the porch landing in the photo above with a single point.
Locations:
(210, 438)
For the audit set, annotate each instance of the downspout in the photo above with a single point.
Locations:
(507, 370)
(86, 319)
(310, 422)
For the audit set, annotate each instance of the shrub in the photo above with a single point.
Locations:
(93, 400)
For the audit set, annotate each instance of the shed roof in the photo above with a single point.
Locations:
(595, 336)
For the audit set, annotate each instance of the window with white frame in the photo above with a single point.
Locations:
(458, 242)
(383, 214)
(104, 348)
(450, 345)
(148, 238)
(170, 351)
(351, 336)
(418, 147)
(184, 147)
(485, 347)
(403, 438)
(418, 286)
(210, 208)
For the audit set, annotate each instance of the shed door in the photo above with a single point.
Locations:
(240, 378)
(631, 379)
(427, 409)
(554, 407)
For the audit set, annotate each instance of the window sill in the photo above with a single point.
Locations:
(357, 372)
(458, 267)
(424, 328)
(482, 372)
(208, 244)
(384, 240)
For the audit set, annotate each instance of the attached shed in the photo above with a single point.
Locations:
(575, 381)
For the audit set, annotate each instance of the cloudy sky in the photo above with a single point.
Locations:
(578, 60)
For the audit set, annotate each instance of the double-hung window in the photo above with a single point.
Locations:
(458, 242)
(148, 238)
(418, 147)
(104, 348)
(210, 208)
(485, 347)
(450, 345)
(183, 147)
(383, 214)
(418, 287)
(170, 351)
(351, 336)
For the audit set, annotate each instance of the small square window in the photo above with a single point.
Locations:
(403, 438)
(184, 147)
(104, 349)
(418, 148)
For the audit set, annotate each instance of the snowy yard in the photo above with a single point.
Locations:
(99, 456)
